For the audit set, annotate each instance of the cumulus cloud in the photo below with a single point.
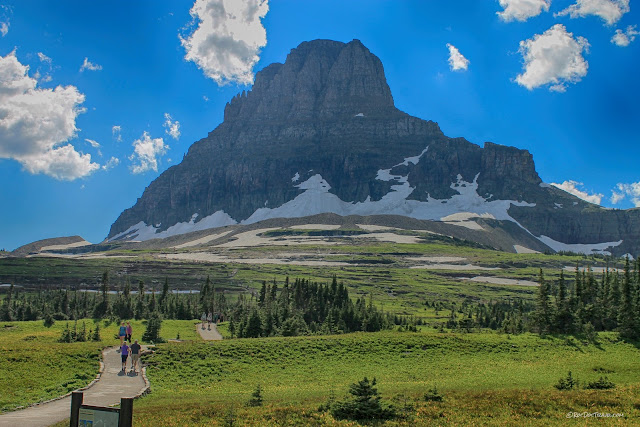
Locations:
(88, 65)
(553, 58)
(609, 10)
(521, 10)
(623, 190)
(116, 133)
(624, 38)
(35, 122)
(112, 163)
(572, 188)
(457, 62)
(227, 41)
(145, 152)
(171, 128)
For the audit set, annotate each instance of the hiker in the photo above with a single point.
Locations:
(135, 356)
(203, 318)
(122, 333)
(129, 331)
(209, 319)
(124, 353)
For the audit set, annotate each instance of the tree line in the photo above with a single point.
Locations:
(305, 307)
(591, 303)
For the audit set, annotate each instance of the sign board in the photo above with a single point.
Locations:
(98, 416)
(90, 416)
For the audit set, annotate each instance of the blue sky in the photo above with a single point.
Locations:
(116, 91)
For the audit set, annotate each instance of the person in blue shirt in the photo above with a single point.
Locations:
(122, 333)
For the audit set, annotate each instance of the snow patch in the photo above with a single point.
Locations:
(317, 199)
(545, 185)
(141, 231)
(296, 177)
(581, 248)
(558, 205)
(359, 115)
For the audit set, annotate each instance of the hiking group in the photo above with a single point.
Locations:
(133, 350)
(209, 318)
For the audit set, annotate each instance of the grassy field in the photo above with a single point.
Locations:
(485, 378)
(36, 367)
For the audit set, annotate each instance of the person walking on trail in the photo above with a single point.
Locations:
(209, 319)
(135, 356)
(129, 332)
(203, 318)
(124, 353)
(122, 333)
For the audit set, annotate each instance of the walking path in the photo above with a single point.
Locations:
(112, 385)
(208, 335)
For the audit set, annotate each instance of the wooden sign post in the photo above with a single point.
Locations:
(89, 416)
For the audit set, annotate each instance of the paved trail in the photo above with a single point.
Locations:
(208, 335)
(112, 385)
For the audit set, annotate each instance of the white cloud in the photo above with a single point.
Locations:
(609, 10)
(93, 143)
(456, 60)
(623, 38)
(553, 58)
(145, 151)
(88, 65)
(521, 10)
(171, 128)
(227, 41)
(34, 123)
(4, 28)
(572, 188)
(44, 58)
(116, 133)
(112, 163)
(632, 190)
(206, 99)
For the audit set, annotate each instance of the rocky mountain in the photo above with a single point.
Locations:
(321, 134)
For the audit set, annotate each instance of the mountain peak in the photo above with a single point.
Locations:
(320, 79)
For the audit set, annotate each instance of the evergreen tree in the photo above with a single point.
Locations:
(627, 317)
(542, 316)
(154, 324)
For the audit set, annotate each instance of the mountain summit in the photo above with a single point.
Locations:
(321, 134)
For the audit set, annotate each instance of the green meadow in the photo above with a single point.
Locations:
(485, 378)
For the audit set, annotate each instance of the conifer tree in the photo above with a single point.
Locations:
(627, 317)
(542, 316)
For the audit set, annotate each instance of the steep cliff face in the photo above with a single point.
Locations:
(320, 133)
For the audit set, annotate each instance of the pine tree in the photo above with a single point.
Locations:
(627, 316)
(154, 324)
(542, 316)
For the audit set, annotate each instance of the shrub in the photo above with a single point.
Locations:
(96, 333)
(568, 383)
(432, 395)
(601, 384)
(256, 397)
(363, 405)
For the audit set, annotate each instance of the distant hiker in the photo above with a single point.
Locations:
(129, 331)
(124, 353)
(203, 318)
(122, 333)
(135, 356)
(209, 319)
